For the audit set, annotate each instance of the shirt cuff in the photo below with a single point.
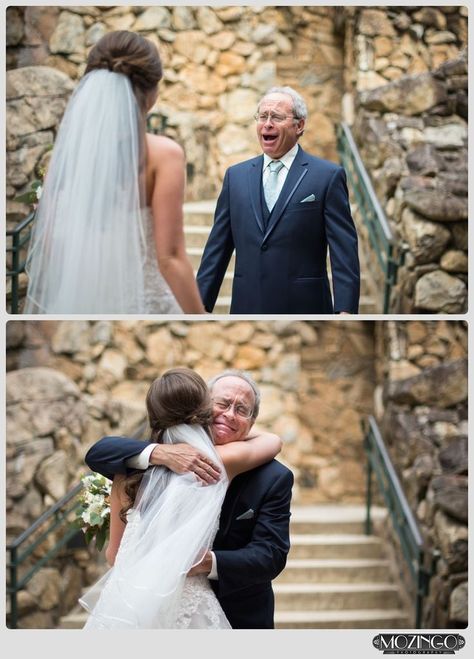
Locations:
(213, 573)
(141, 460)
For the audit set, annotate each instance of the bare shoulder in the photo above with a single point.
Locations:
(160, 147)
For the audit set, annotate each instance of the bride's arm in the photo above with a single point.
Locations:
(247, 454)
(117, 526)
(166, 158)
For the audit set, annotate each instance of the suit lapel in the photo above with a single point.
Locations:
(298, 171)
(230, 501)
(255, 180)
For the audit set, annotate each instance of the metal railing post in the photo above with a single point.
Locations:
(368, 521)
(13, 588)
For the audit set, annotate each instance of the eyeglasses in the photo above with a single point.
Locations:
(263, 117)
(224, 405)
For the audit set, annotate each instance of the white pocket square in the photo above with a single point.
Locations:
(310, 198)
(247, 515)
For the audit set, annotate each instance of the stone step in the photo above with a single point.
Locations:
(335, 546)
(331, 596)
(343, 619)
(198, 213)
(74, 620)
(334, 571)
(333, 518)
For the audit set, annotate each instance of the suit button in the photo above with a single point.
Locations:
(264, 247)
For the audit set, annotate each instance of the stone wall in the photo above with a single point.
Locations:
(406, 74)
(422, 407)
(217, 63)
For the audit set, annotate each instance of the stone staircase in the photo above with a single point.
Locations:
(336, 577)
(198, 219)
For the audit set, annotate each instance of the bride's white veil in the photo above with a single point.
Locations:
(171, 526)
(87, 249)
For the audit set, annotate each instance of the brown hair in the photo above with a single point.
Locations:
(131, 54)
(179, 396)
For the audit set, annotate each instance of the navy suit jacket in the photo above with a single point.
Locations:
(249, 552)
(282, 268)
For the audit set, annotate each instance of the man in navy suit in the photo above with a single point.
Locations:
(281, 237)
(252, 542)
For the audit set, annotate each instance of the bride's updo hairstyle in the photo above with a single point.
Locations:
(134, 56)
(179, 396)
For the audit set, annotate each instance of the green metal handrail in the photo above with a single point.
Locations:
(19, 236)
(405, 525)
(390, 254)
(56, 518)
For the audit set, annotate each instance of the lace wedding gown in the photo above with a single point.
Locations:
(158, 297)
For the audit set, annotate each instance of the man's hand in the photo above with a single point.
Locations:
(182, 458)
(204, 567)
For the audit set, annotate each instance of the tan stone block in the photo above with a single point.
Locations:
(402, 369)
(192, 45)
(249, 357)
(375, 22)
(230, 63)
(240, 332)
(417, 65)
(223, 40)
(244, 48)
(369, 80)
(392, 73)
(161, 349)
(381, 63)
(454, 261)
(382, 46)
(123, 22)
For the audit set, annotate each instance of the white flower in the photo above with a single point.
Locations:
(39, 192)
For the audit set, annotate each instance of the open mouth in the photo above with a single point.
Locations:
(269, 139)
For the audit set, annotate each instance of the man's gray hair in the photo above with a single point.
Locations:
(299, 106)
(243, 375)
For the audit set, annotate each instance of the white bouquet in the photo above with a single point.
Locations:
(93, 510)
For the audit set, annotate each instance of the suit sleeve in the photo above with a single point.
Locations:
(109, 454)
(342, 240)
(264, 557)
(218, 250)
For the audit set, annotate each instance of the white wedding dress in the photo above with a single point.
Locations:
(158, 297)
(173, 523)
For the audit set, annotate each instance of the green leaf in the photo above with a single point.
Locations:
(101, 538)
(27, 197)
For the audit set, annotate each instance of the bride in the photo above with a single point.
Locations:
(108, 234)
(163, 523)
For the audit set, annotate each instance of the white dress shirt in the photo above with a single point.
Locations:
(142, 461)
(287, 161)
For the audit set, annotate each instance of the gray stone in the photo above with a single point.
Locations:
(71, 336)
(45, 587)
(153, 18)
(15, 334)
(38, 384)
(264, 34)
(443, 386)
(448, 136)
(69, 34)
(437, 204)
(460, 235)
(424, 160)
(52, 475)
(452, 538)
(427, 240)
(14, 26)
(183, 18)
(458, 603)
(94, 33)
(208, 21)
(454, 458)
(410, 95)
(451, 496)
(439, 292)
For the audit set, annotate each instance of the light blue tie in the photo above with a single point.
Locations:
(270, 189)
